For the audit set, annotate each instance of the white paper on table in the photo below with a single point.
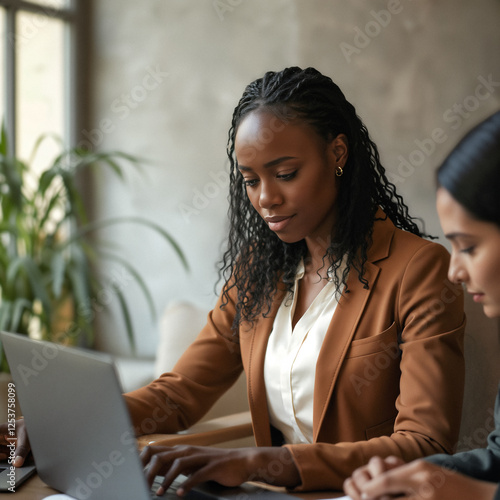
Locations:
(59, 496)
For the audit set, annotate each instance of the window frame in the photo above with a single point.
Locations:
(76, 17)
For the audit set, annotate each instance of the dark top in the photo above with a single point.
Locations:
(483, 463)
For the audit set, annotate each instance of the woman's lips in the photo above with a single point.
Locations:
(476, 296)
(278, 223)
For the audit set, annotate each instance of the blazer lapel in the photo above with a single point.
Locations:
(346, 318)
(255, 373)
(333, 351)
(337, 341)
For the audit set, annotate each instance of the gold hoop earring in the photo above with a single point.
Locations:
(339, 171)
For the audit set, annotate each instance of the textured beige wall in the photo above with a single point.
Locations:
(168, 73)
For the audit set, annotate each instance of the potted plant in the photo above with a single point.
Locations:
(48, 278)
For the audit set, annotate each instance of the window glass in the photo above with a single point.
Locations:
(54, 4)
(39, 86)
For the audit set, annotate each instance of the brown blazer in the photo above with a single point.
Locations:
(389, 377)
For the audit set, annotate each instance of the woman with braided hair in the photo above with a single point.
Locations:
(258, 256)
(333, 303)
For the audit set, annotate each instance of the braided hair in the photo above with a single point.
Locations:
(256, 260)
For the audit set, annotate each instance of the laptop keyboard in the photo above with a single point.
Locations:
(169, 494)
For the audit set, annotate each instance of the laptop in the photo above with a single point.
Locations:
(79, 428)
(12, 477)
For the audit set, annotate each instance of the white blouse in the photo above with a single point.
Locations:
(290, 364)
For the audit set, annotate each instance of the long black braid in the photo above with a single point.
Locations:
(256, 259)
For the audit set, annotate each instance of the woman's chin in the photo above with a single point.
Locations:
(491, 311)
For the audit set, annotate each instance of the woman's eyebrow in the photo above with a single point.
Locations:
(455, 235)
(271, 163)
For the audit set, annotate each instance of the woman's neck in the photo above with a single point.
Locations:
(315, 262)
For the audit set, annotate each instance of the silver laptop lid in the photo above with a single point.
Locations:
(78, 424)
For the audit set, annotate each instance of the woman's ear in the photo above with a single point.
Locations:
(340, 149)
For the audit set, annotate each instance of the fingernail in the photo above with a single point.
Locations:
(18, 461)
(160, 491)
(180, 491)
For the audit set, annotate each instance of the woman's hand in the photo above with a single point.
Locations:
(418, 480)
(374, 468)
(229, 467)
(20, 438)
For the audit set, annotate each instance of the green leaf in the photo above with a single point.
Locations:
(78, 275)
(12, 170)
(20, 305)
(25, 265)
(93, 226)
(55, 200)
(58, 267)
(137, 278)
(3, 140)
(39, 141)
(5, 315)
(46, 180)
(164, 233)
(11, 313)
(126, 317)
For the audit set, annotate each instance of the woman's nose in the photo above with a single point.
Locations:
(269, 195)
(456, 272)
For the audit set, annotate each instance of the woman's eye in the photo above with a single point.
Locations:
(287, 177)
(250, 182)
(468, 250)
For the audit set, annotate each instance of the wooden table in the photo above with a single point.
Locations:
(35, 489)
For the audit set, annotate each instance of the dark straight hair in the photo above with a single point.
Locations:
(471, 172)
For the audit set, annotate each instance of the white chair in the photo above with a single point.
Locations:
(227, 423)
